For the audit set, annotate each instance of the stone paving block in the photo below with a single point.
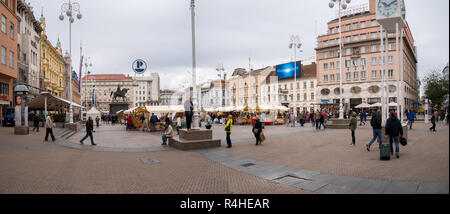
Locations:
(289, 180)
(433, 188)
(397, 187)
(326, 178)
(335, 189)
(311, 185)
(370, 186)
(306, 174)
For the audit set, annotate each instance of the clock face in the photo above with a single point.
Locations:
(387, 7)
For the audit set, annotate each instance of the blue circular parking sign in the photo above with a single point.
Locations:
(139, 66)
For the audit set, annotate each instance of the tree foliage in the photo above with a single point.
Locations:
(436, 87)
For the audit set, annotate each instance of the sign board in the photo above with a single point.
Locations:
(139, 66)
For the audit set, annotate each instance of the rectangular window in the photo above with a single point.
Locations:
(325, 43)
(298, 97)
(363, 61)
(312, 96)
(363, 36)
(325, 55)
(325, 66)
(332, 42)
(331, 53)
(3, 24)
(355, 26)
(331, 30)
(348, 38)
(373, 23)
(332, 78)
(355, 38)
(338, 77)
(331, 65)
(355, 75)
(338, 64)
(390, 59)
(390, 46)
(347, 63)
(298, 85)
(390, 73)
(348, 76)
(325, 78)
(374, 60)
(11, 30)
(373, 48)
(373, 35)
(312, 84)
(363, 24)
(292, 86)
(363, 49)
(355, 62)
(348, 51)
(11, 59)
(304, 96)
(3, 55)
(347, 27)
(363, 75)
(374, 74)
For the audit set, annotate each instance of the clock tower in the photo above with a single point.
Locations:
(389, 13)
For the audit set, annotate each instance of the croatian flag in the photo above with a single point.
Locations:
(79, 79)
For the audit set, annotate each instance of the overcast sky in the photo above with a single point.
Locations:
(115, 32)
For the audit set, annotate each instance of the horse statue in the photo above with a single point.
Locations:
(119, 93)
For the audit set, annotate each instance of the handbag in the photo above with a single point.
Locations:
(262, 137)
(227, 128)
(403, 141)
(255, 130)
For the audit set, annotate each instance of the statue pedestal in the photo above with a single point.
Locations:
(21, 130)
(115, 107)
(194, 139)
(338, 123)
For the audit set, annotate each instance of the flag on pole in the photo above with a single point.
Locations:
(79, 79)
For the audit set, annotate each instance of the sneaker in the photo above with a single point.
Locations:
(368, 147)
(163, 144)
(228, 147)
(94, 144)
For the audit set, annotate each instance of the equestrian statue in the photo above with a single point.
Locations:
(119, 93)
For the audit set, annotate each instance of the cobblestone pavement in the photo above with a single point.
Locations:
(425, 158)
(28, 165)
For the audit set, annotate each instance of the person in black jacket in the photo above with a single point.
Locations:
(36, 122)
(257, 129)
(89, 130)
(393, 129)
(433, 121)
(375, 122)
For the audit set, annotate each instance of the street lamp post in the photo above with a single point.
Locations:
(294, 44)
(220, 69)
(87, 64)
(342, 5)
(194, 79)
(68, 9)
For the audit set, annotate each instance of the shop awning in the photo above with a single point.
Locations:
(54, 102)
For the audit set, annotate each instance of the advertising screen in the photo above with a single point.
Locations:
(287, 70)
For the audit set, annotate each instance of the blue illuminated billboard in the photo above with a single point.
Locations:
(287, 70)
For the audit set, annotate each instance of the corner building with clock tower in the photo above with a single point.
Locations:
(361, 61)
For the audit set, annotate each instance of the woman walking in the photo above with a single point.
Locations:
(353, 124)
(228, 129)
(257, 130)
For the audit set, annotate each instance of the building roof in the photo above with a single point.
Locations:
(107, 77)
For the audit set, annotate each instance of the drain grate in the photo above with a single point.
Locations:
(149, 161)
(247, 164)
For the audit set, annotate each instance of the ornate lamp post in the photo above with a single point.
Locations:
(69, 9)
(342, 5)
(87, 63)
(194, 73)
(294, 44)
(221, 69)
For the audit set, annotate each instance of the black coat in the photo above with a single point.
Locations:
(393, 127)
(257, 125)
(433, 119)
(89, 126)
(375, 122)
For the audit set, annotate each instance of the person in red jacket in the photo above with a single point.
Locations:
(129, 123)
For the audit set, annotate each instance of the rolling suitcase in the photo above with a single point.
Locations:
(385, 152)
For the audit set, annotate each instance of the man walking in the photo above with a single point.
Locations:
(353, 124)
(36, 122)
(411, 117)
(375, 122)
(89, 130)
(97, 121)
(153, 122)
(49, 127)
(433, 121)
(228, 128)
(361, 118)
(393, 129)
(257, 129)
(317, 119)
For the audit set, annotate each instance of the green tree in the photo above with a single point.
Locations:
(436, 87)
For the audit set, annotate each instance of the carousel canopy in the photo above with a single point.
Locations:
(363, 105)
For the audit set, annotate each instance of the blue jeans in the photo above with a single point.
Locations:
(88, 134)
(397, 149)
(178, 130)
(376, 133)
(164, 139)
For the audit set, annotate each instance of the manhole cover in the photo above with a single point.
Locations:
(147, 161)
(247, 164)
